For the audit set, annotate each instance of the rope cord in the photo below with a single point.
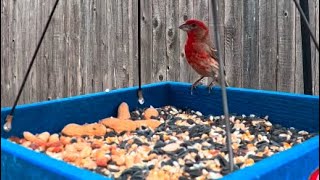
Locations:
(7, 126)
(306, 45)
(305, 20)
(140, 95)
(223, 84)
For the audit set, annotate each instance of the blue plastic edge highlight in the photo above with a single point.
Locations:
(84, 96)
(269, 92)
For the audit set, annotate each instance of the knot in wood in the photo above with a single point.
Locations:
(170, 32)
(155, 22)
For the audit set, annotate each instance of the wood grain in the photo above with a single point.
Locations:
(298, 81)
(314, 23)
(146, 42)
(250, 44)
(159, 63)
(172, 39)
(91, 45)
(267, 44)
(233, 42)
(286, 45)
(185, 71)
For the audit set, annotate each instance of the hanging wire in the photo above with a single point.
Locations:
(223, 84)
(140, 95)
(306, 45)
(305, 20)
(7, 126)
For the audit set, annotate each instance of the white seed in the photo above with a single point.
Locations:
(213, 175)
(176, 164)
(303, 133)
(174, 110)
(205, 172)
(268, 123)
(198, 113)
(171, 147)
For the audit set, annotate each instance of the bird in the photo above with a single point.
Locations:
(200, 52)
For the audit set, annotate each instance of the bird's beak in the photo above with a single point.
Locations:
(184, 27)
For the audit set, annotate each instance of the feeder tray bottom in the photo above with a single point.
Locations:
(164, 143)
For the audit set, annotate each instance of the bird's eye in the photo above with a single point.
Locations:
(193, 25)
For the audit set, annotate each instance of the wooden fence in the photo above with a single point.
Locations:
(91, 45)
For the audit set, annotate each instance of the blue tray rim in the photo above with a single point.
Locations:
(66, 169)
(273, 162)
(164, 83)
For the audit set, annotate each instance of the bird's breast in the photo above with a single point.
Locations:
(200, 60)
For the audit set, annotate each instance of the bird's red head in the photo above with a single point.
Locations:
(194, 27)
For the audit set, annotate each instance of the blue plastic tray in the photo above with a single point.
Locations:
(290, 110)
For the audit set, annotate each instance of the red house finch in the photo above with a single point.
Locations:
(200, 53)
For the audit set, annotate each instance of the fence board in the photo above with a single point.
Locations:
(286, 45)
(267, 44)
(250, 44)
(201, 11)
(314, 23)
(233, 41)
(172, 39)
(185, 12)
(159, 65)
(91, 45)
(146, 41)
(298, 81)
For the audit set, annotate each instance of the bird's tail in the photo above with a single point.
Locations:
(225, 77)
(227, 84)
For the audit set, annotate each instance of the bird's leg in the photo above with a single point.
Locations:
(213, 82)
(195, 84)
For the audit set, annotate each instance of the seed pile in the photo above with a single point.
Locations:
(164, 143)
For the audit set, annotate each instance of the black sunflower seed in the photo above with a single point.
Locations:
(198, 130)
(123, 144)
(193, 172)
(255, 158)
(159, 144)
(169, 162)
(161, 128)
(85, 136)
(262, 144)
(222, 160)
(190, 121)
(225, 170)
(110, 134)
(151, 166)
(180, 153)
(113, 170)
(73, 140)
(186, 144)
(139, 142)
(188, 163)
(193, 150)
(197, 158)
(184, 178)
(99, 170)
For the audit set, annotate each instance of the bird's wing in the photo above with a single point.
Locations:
(212, 51)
